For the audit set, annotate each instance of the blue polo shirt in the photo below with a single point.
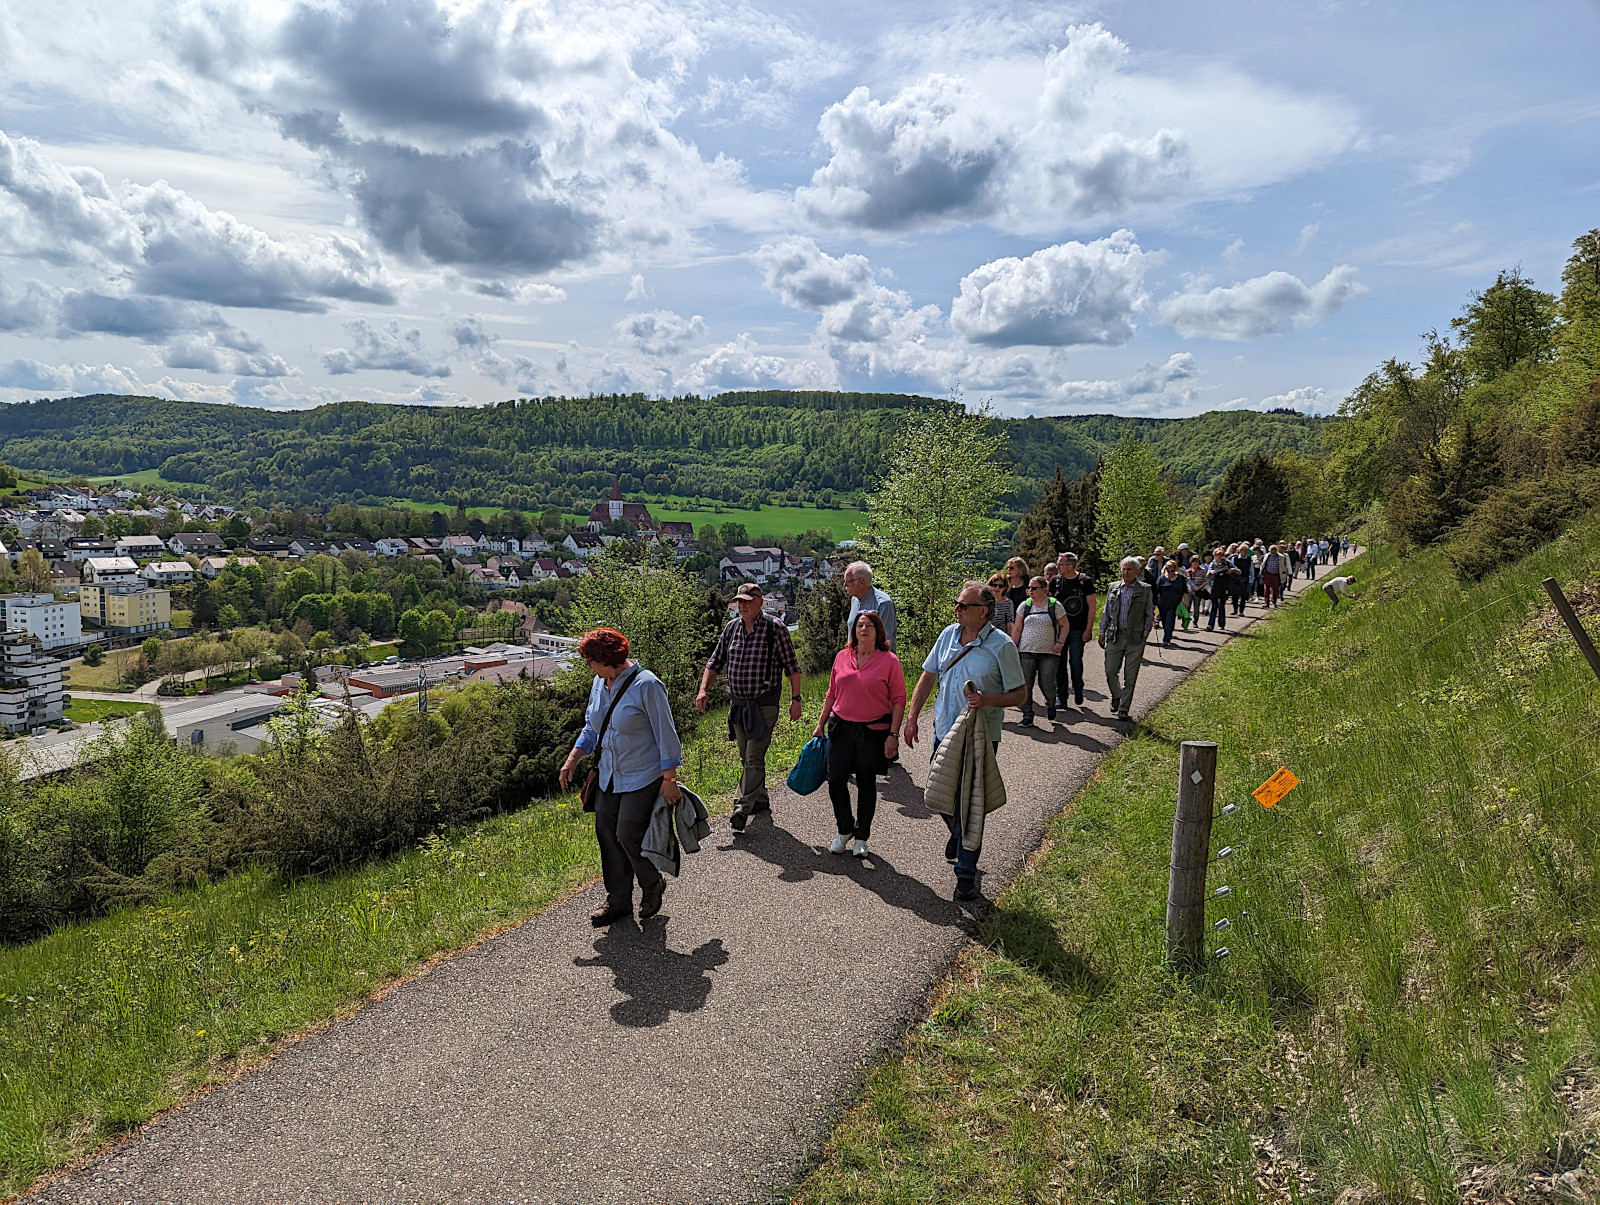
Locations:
(994, 666)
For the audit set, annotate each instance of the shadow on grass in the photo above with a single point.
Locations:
(656, 980)
(1027, 937)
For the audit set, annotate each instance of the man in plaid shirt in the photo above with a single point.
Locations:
(756, 652)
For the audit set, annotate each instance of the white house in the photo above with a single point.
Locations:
(196, 543)
(499, 542)
(459, 546)
(167, 573)
(584, 544)
(105, 570)
(391, 546)
(212, 566)
(141, 547)
(56, 624)
(536, 545)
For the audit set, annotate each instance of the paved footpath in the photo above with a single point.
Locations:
(702, 1058)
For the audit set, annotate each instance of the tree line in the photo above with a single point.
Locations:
(533, 455)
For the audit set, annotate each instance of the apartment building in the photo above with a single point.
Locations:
(31, 693)
(126, 609)
(56, 624)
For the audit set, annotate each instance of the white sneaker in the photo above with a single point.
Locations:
(841, 844)
(861, 847)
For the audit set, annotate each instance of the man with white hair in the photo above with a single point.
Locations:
(864, 596)
(1125, 625)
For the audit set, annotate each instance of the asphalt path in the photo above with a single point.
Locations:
(700, 1058)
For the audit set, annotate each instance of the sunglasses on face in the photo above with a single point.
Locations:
(961, 606)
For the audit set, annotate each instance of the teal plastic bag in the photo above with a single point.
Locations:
(811, 770)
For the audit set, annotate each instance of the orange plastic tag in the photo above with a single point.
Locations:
(1275, 788)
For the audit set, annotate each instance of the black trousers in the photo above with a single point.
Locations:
(853, 748)
(620, 821)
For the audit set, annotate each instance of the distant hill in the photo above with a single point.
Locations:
(742, 448)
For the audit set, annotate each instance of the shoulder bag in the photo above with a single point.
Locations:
(591, 781)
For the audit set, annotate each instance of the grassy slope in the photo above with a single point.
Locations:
(103, 1024)
(1411, 1005)
(88, 711)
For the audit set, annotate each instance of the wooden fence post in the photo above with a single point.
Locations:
(1570, 618)
(1191, 849)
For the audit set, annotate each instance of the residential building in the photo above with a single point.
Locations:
(536, 545)
(167, 573)
(309, 546)
(584, 544)
(391, 546)
(273, 546)
(196, 543)
(141, 548)
(614, 509)
(539, 569)
(54, 623)
(212, 566)
(49, 548)
(31, 693)
(365, 547)
(126, 609)
(82, 548)
(499, 542)
(103, 569)
(458, 546)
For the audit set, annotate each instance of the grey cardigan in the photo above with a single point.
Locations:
(675, 830)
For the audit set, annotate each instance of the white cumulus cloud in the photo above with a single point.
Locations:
(391, 347)
(1071, 294)
(1263, 305)
(661, 332)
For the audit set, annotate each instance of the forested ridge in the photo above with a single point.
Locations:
(526, 454)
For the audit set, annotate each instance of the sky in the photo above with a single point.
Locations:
(1154, 209)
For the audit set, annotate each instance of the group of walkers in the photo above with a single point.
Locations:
(1017, 631)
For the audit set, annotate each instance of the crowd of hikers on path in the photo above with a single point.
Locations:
(1018, 633)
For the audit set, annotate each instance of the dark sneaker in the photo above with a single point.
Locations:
(1025, 722)
(1051, 714)
(650, 904)
(737, 818)
(1123, 715)
(761, 807)
(967, 889)
(608, 916)
(951, 849)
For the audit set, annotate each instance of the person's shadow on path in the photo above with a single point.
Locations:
(900, 789)
(657, 981)
(799, 862)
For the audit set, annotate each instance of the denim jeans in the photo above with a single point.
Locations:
(966, 859)
(1169, 619)
(1219, 609)
(1069, 674)
(1043, 667)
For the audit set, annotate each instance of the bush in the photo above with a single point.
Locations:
(1515, 519)
(94, 655)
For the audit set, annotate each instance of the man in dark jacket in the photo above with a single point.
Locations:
(1125, 625)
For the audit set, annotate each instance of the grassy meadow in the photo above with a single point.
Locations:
(89, 711)
(104, 1023)
(1410, 1002)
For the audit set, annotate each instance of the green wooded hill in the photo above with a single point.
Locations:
(526, 454)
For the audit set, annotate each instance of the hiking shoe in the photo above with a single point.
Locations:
(608, 916)
(1123, 715)
(761, 807)
(650, 903)
(841, 843)
(737, 819)
(1025, 722)
(1050, 714)
(861, 847)
(967, 889)
(950, 849)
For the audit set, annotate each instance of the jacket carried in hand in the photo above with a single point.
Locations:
(964, 779)
(675, 829)
(1141, 611)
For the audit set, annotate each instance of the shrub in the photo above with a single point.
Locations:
(1515, 519)
(94, 655)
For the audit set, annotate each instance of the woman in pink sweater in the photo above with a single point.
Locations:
(862, 713)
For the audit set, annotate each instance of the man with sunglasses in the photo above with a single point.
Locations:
(970, 650)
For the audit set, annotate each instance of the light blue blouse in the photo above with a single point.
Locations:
(641, 741)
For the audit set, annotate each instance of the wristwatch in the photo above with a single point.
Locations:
(796, 699)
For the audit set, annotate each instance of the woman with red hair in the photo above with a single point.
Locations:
(638, 760)
(862, 713)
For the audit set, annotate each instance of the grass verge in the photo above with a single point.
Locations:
(1410, 1006)
(89, 711)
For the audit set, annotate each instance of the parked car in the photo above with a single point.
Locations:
(390, 660)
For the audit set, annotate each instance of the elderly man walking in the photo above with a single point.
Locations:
(1124, 627)
(864, 596)
(970, 650)
(756, 652)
